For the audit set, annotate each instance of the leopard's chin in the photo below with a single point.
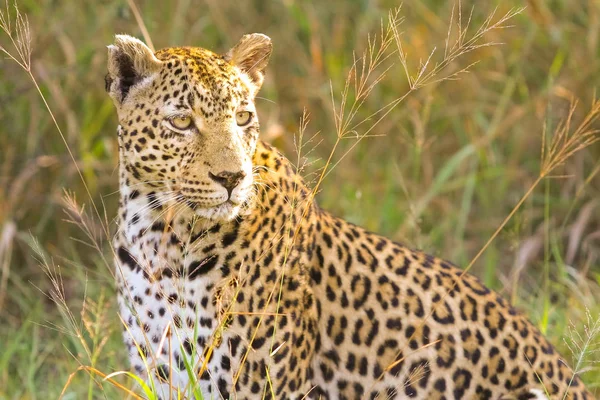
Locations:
(223, 212)
(238, 204)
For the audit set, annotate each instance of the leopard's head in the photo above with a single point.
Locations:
(188, 124)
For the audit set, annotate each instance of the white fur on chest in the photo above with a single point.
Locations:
(169, 318)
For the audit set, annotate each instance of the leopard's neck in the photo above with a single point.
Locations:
(149, 219)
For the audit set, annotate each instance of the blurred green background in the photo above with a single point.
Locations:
(442, 172)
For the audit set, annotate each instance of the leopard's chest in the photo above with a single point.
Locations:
(216, 303)
(167, 279)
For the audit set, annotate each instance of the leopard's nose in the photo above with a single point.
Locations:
(229, 180)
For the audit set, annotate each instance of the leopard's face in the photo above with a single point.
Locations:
(188, 123)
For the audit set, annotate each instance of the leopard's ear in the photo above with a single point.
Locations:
(251, 56)
(129, 62)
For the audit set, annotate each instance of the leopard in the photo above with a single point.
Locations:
(233, 283)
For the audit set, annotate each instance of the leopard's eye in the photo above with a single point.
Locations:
(181, 122)
(243, 118)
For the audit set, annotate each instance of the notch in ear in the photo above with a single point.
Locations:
(251, 56)
(129, 62)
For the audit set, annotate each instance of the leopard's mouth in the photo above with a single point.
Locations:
(197, 205)
(224, 211)
(219, 208)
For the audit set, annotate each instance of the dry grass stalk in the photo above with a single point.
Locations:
(7, 237)
(585, 348)
(105, 377)
(140, 21)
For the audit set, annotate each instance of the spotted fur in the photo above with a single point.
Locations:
(226, 266)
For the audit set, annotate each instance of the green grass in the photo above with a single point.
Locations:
(443, 171)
